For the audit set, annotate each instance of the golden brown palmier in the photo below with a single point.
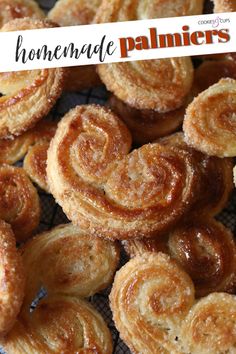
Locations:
(147, 125)
(211, 71)
(19, 201)
(27, 96)
(216, 182)
(224, 6)
(203, 247)
(128, 10)
(12, 9)
(59, 324)
(72, 13)
(210, 124)
(104, 188)
(161, 85)
(210, 326)
(66, 260)
(11, 279)
(152, 301)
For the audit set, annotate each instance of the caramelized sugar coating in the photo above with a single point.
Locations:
(210, 124)
(27, 96)
(12, 9)
(224, 6)
(59, 324)
(72, 13)
(203, 247)
(11, 279)
(147, 125)
(19, 202)
(66, 260)
(109, 191)
(161, 85)
(216, 182)
(154, 309)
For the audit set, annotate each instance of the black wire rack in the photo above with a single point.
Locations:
(53, 215)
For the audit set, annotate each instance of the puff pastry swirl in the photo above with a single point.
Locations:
(12, 279)
(27, 96)
(110, 192)
(203, 247)
(224, 6)
(60, 324)
(66, 260)
(19, 201)
(210, 124)
(12, 9)
(152, 301)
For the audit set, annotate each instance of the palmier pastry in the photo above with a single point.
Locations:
(67, 260)
(19, 201)
(27, 96)
(161, 85)
(110, 192)
(32, 144)
(59, 324)
(224, 6)
(147, 125)
(210, 124)
(11, 279)
(152, 301)
(203, 247)
(211, 71)
(11, 9)
(72, 13)
(216, 182)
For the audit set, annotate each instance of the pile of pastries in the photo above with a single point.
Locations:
(148, 173)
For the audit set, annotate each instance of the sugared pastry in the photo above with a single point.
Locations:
(66, 260)
(11, 9)
(59, 324)
(210, 326)
(203, 247)
(210, 124)
(19, 201)
(161, 85)
(211, 71)
(147, 125)
(72, 13)
(11, 279)
(224, 5)
(155, 310)
(109, 191)
(27, 96)
(128, 10)
(216, 181)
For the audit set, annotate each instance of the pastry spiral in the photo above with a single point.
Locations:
(72, 13)
(11, 279)
(210, 124)
(66, 260)
(147, 125)
(224, 6)
(12, 9)
(149, 298)
(152, 301)
(216, 183)
(59, 324)
(27, 96)
(203, 247)
(161, 85)
(19, 202)
(110, 192)
(210, 327)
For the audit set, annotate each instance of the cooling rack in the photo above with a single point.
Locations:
(53, 215)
